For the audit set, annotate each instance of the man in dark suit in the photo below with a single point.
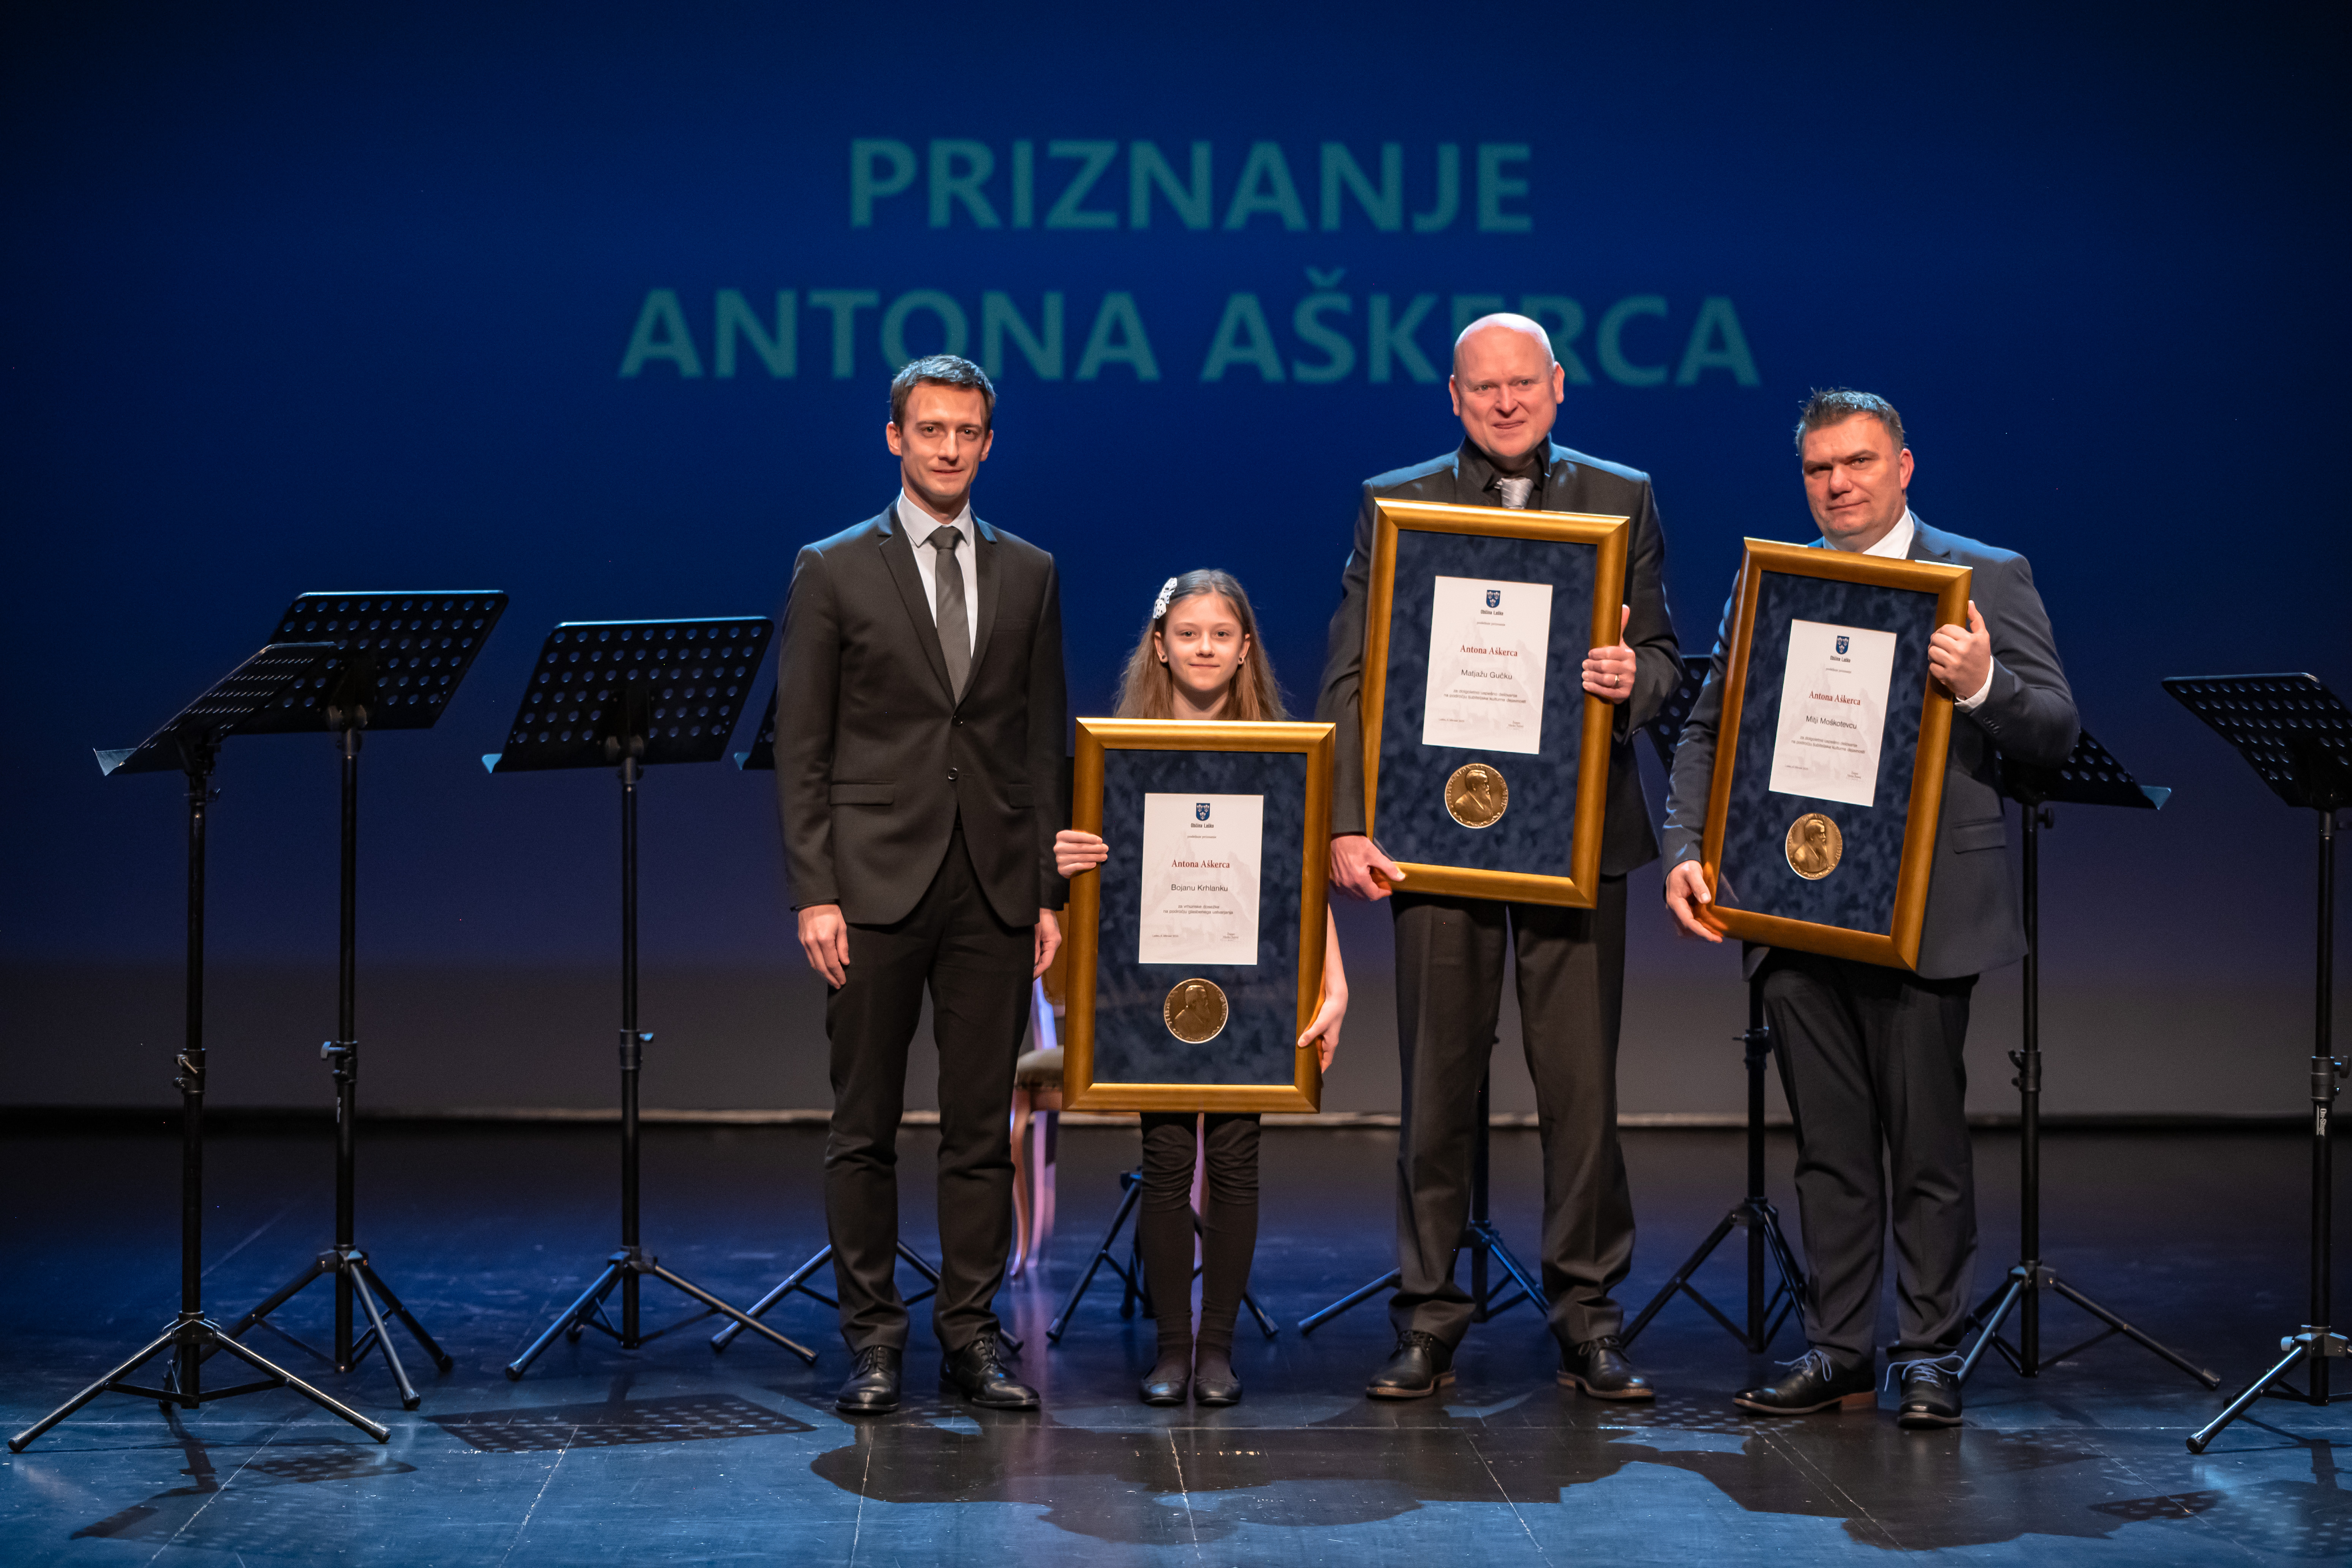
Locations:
(1506, 388)
(920, 702)
(1868, 1052)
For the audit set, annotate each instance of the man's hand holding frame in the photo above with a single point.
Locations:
(1870, 905)
(1544, 845)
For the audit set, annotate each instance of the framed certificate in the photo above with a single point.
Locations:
(1828, 761)
(1486, 765)
(1196, 953)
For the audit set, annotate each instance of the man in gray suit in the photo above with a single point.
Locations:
(919, 710)
(1868, 1052)
(1506, 388)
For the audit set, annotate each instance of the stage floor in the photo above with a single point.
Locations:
(671, 1454)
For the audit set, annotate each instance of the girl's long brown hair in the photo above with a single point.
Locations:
(1148, 690)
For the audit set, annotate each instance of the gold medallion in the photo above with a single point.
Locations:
(1195, 1010)
(1814, 847)
(1476, 797)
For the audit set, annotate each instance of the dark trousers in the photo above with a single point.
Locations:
(1228, 1222)
(976, 968)
(1572, 981)
(1872, 1056)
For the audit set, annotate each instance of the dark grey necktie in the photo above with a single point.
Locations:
(954, 620)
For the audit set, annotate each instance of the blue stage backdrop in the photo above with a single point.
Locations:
(597, 306)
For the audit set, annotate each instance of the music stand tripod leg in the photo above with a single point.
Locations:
(1754, 1211)
(1356, 1298)
(409, 1399)
(1132, 1182)
(590, 1300)
(440, 1359)
(145, 1352)
(322, 1264)
(790, 1283)
(743, 1320)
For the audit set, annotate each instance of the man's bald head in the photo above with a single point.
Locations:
(1507, 387)
(1503, 321)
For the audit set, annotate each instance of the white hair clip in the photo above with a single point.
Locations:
(1160, 605)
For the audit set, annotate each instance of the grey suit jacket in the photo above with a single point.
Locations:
(1972, 922)
(876, 758)
(1571, 482)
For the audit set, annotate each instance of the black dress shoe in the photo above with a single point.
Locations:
(873, 1386)
(976, 1372)
(1423, 1365)
(1599, 1368)
(1931, 1393)
(1213, 1381)
(1814, 1383)
(1168, 1380)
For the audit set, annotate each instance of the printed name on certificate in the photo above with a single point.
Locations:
(1201, 860)
(1833, 712)
(1489, 642)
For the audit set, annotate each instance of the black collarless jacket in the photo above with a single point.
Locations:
(876, 758)
(1570, 481)
(1972, 922)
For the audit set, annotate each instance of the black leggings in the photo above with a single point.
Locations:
(1228, 1223)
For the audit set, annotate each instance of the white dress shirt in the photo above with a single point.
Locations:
(1898, 545)
(920, 526)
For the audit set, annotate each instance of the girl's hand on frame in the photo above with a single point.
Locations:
(1075, 852)
(1324, 1032)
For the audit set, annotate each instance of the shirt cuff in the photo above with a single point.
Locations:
(1971, 704)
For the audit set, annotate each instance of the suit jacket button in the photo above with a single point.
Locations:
(952, 775)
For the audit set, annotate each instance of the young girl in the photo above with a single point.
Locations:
(1199, 658)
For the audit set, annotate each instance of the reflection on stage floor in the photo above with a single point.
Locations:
(671, 1453)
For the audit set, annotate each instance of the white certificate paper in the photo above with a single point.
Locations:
(1201, 860)
(1487, 645)
(1833, 712)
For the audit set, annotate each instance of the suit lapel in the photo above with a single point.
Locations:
(1921, 549)
(985, 568)
(899, 555)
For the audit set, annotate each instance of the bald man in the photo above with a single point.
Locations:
(1506, 388)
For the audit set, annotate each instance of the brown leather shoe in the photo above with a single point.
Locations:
(1599, 1368)
(1814, 1383)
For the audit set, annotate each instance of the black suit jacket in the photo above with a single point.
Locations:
(1570, 482)
(875, 759)
(1972, 922)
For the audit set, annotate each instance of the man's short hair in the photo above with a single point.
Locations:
(941, 370)
(1836, 405)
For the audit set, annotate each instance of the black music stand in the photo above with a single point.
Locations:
(281, 675)
(2089, 776)
(1753, 1212)
(2297, 735)
(761, 758)
(400, 658)
(626, 695)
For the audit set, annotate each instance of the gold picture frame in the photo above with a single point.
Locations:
(1899, 946)
(1096, 737)
(1580, 889)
